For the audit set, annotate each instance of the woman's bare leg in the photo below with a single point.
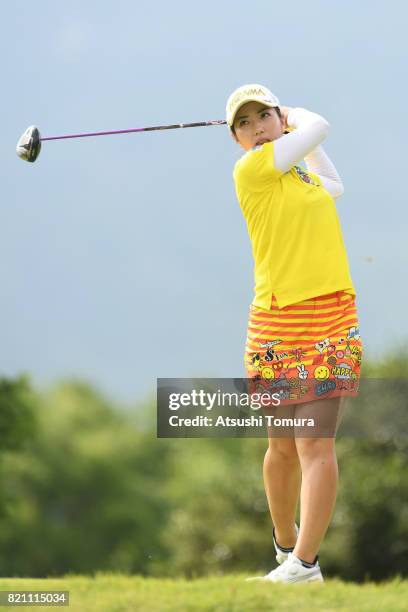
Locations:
(282, 479)
(317, 456)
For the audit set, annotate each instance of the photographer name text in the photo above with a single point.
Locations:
(252, 421)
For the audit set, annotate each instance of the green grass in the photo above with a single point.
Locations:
(119, 593)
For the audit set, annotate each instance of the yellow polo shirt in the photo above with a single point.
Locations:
(294, 228)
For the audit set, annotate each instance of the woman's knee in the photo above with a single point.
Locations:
(312, 448)
(283, 449)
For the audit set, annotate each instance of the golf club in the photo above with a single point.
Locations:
(29, 145)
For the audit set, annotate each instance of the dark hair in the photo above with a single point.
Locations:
(275, 107)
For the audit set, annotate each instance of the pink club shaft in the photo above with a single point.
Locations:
(145, 129)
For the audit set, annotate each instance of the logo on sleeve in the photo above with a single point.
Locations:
(305, 177)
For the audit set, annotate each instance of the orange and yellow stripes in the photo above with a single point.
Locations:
(314, 341)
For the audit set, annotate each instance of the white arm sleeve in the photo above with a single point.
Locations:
(311, 130)
(318, 162)
(304, 143)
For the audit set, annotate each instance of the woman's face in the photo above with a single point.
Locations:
(255, 124)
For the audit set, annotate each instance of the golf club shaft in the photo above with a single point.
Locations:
(145, 129)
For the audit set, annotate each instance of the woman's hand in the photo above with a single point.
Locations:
(285, 110)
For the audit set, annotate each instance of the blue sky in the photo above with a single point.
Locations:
(126, 258)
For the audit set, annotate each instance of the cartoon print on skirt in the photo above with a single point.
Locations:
(305, 351)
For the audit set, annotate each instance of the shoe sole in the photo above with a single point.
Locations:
(316, 578)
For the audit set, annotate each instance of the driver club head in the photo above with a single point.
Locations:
(29, 144)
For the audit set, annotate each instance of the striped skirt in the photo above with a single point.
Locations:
(305, 351)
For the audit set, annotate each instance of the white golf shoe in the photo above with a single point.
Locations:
(292, 571)
(282, 553)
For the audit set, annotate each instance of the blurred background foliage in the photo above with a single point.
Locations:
(86, 486)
